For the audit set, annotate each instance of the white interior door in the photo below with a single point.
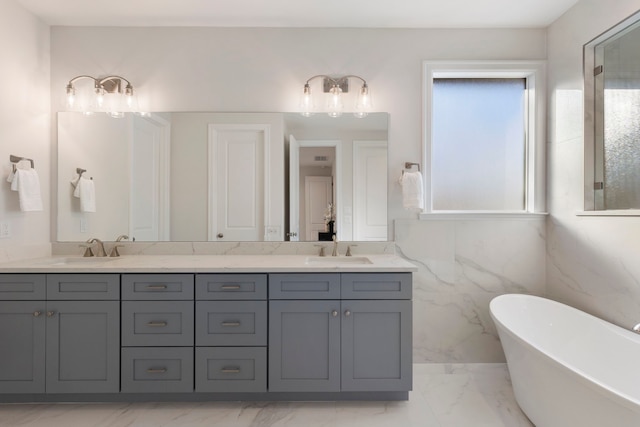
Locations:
(369, 190)
(237, 183)
(149, 203)
(294, 189)
(318, 192)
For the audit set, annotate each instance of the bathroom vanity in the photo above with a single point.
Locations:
(160, 328)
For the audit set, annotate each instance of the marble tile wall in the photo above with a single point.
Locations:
(463, 264)
(592, 262)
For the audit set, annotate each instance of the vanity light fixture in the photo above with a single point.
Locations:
(336, 87)
(107, 95)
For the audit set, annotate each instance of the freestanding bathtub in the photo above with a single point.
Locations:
(568, 368)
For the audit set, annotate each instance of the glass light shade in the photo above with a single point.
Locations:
(334, 107)
(71, 97)
(363, 102)
(306, 102)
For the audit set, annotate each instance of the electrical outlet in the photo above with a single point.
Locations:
(5, 230)
(83, 225)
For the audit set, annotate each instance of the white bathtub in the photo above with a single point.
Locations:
(568, 368)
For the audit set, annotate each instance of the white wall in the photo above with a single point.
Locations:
(592, 262)
(24, 124)
(462, 264)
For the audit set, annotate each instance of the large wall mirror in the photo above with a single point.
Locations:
(202, 176)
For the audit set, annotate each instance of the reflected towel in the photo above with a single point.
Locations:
(412, 194)
(27, 184)
(86, 192)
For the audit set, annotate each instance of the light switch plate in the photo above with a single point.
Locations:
(5, 230)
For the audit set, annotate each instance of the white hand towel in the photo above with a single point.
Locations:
(412, 194)
(86, 192)
(27, 184)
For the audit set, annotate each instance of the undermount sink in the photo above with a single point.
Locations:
(332, 260)
(77, 260)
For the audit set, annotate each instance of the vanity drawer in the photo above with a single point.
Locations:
(232, 323)
(157, 323)
(22, 287)
(69, 287)
(231, 286)
(157, 370)
(376, 286)
(304, 286)
(231, 369)
(157, 287)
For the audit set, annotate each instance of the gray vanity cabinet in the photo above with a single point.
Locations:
(157, 333)
(64, 341)
(83, 333)
(341, 344)
(83, 343)
(376, 345)
(22, 347)
(22, 333)
(304, 345)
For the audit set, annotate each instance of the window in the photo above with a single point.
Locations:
(612, 125)
(484, 146)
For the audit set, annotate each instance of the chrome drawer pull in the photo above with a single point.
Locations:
(236, 323)
(157, 287)
(230, 370)
(230, 287)
(157, 370)
(157, 324)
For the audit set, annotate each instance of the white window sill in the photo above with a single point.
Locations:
(480, 215)
(622, 212)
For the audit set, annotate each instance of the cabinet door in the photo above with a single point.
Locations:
(83, 347)
(22, 329)
(376, 346)
(304, 346)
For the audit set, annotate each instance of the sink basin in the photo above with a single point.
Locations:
(343, 260)
(78, 260)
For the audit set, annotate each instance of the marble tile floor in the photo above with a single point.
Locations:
(444, 395)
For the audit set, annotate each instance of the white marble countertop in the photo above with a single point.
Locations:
(210, 264)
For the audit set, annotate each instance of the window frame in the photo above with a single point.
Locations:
(534, 73)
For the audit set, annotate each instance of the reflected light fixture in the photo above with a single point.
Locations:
(335, 87)
(107, 95)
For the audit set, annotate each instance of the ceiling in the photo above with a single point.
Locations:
(303, 13)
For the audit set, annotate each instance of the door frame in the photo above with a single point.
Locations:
(213, 140)
(294, 180)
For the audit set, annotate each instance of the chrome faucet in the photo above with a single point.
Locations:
(114, 251)
(335, 247)
(100, 252)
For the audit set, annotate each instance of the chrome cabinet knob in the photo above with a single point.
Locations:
(220, 235)
(37, 313)
(50, 313)
(347, 313)
(334, 313)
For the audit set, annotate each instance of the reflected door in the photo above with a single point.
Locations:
(149, 204)
(237, 183)
(369, 190)
(317, 196)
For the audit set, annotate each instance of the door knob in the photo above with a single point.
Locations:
(220, 236)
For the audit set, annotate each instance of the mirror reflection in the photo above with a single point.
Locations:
(223, 177)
